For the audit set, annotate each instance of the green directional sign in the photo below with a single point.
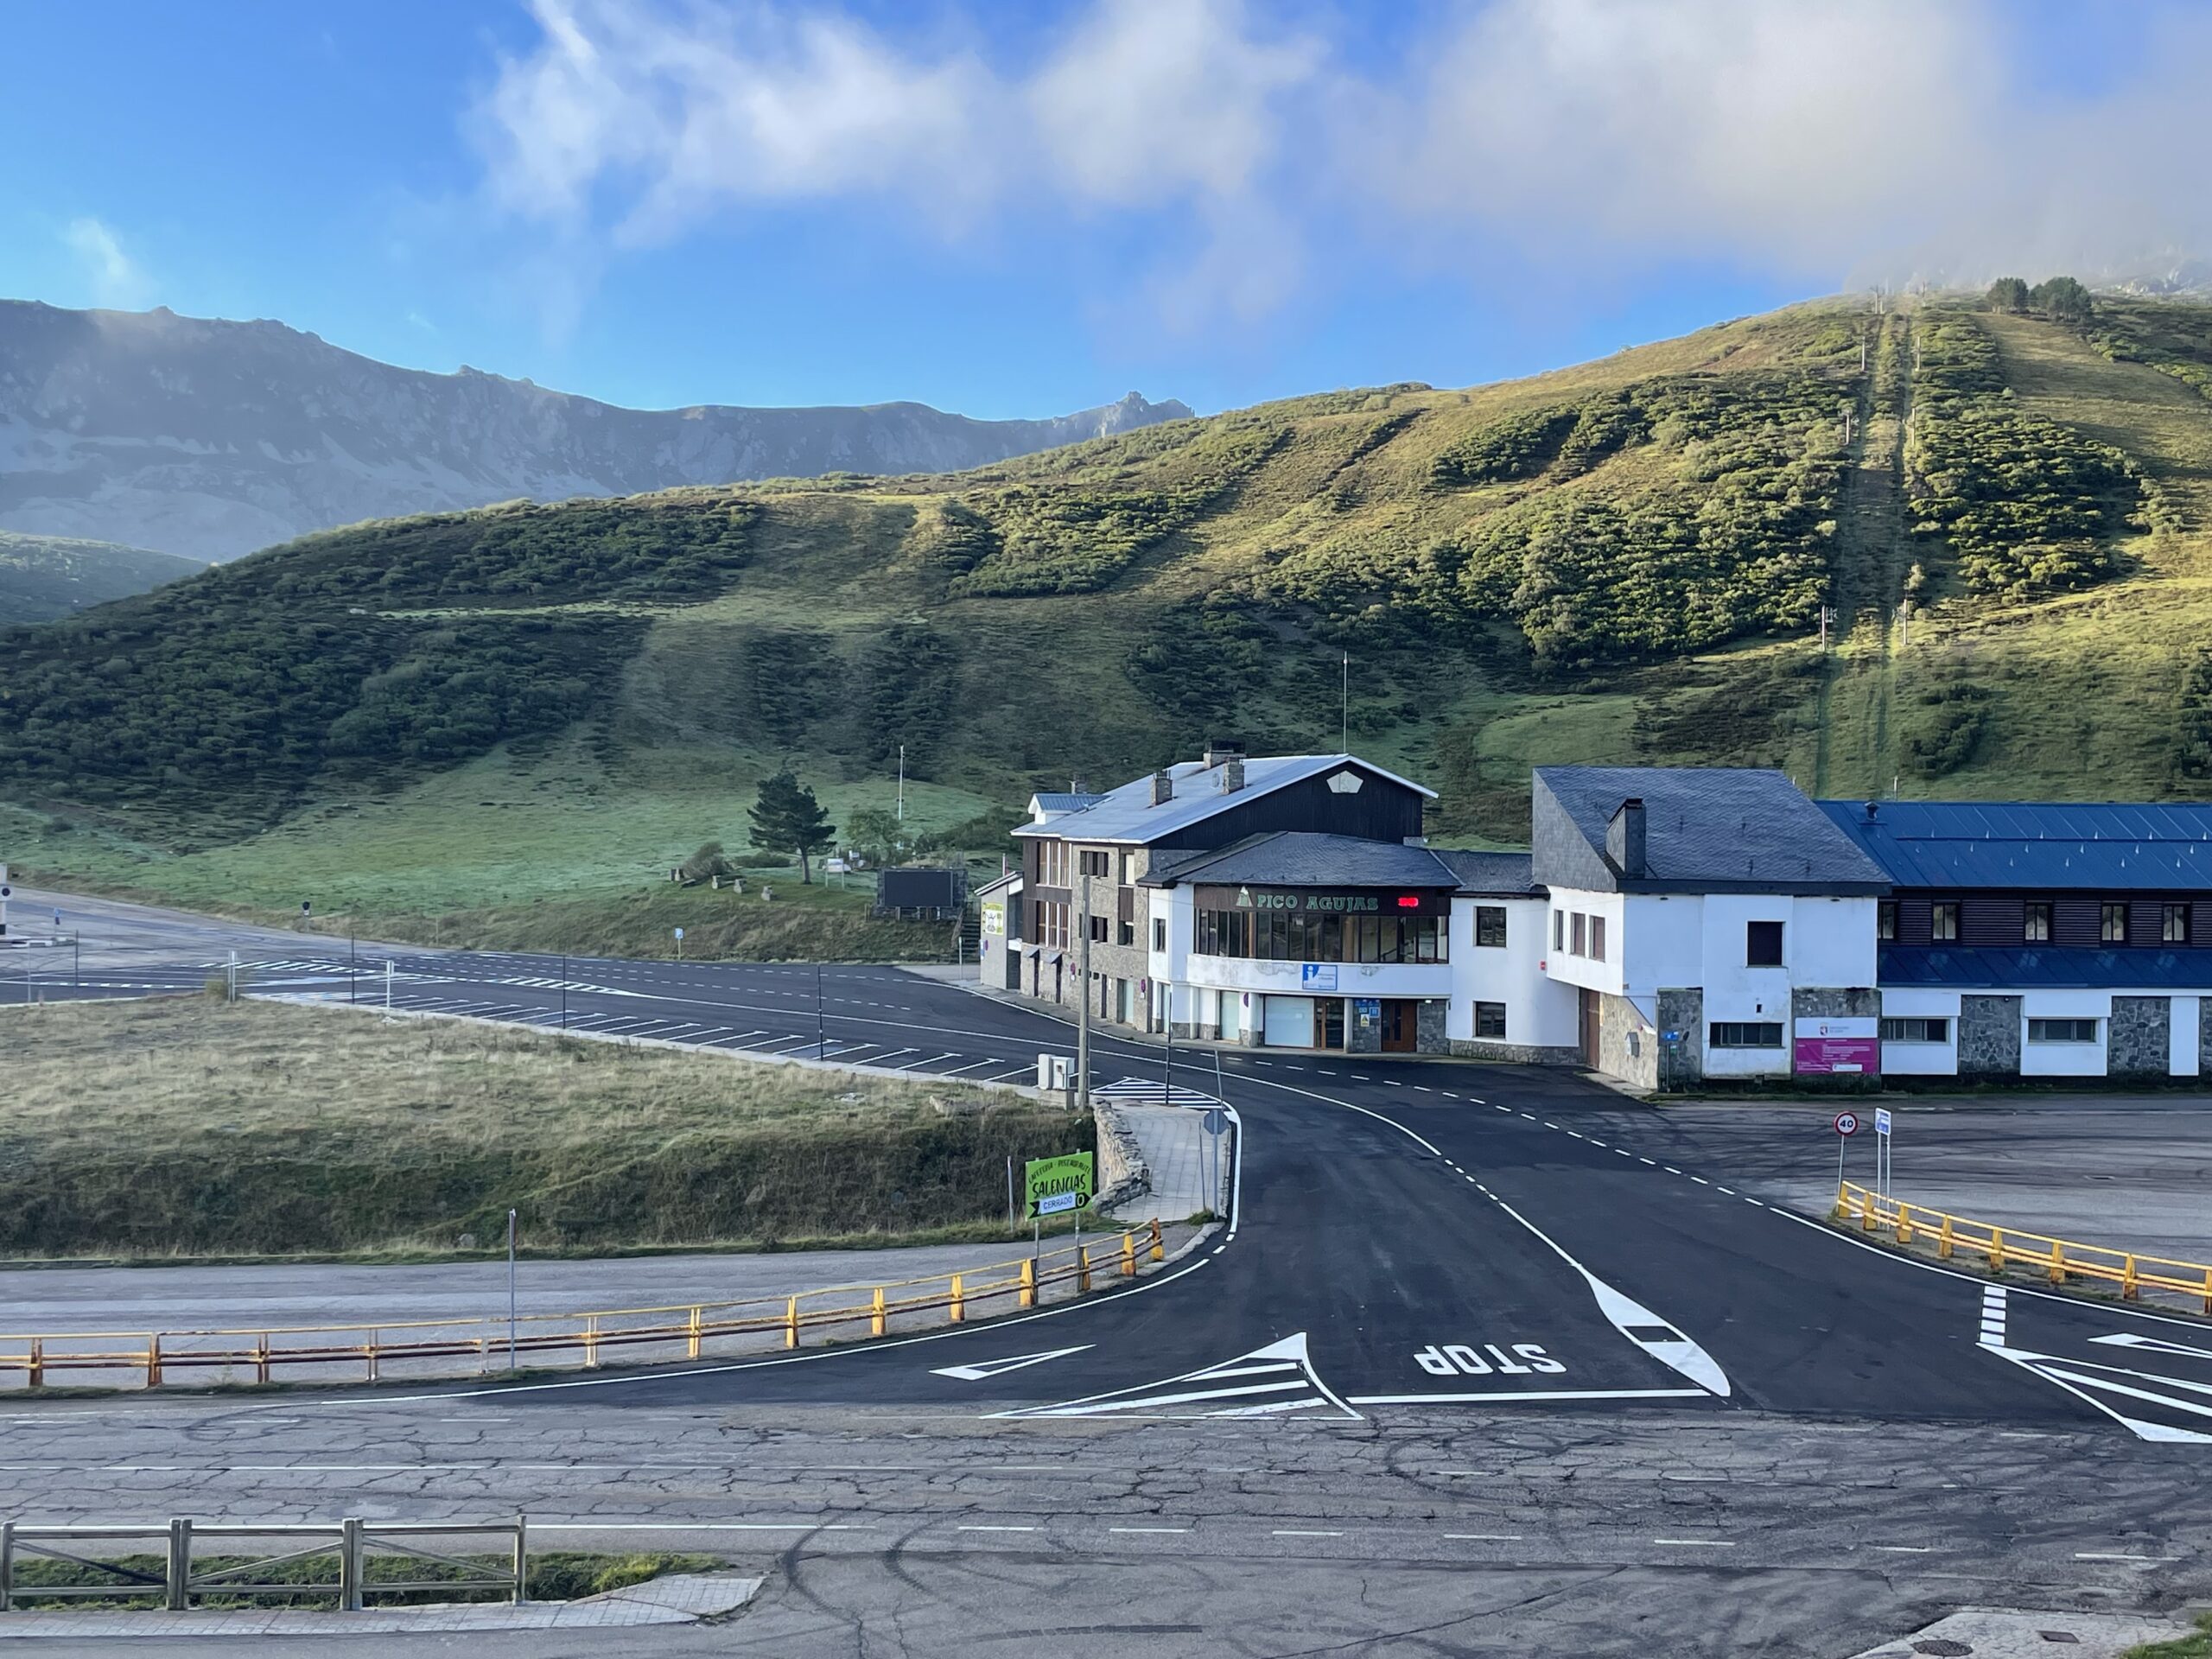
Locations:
(1058, 1185)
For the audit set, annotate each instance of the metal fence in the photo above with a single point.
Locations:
(639, 1335)
(347, 1546)
(2060, 1260)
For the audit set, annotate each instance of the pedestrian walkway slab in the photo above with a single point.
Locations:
(679, 1598)
(1985, 1634)
(1173, 1142)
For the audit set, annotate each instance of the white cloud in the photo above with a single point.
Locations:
(1825, 140)
(115, 280)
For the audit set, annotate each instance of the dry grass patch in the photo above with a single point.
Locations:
(187, 1126)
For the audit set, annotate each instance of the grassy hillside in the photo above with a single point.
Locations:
(547, 706)
(45, 576)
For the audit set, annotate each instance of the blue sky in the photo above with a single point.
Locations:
(1018, 209)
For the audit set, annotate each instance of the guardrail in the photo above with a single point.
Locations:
(352, 1542)
(417, 1347)
(2001, 1247)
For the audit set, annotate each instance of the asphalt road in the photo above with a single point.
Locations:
(1489, 1357)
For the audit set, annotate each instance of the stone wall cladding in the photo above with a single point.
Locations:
(2204, 1036)
(1428, 1027)
(1989, 1036)
(2137, 1040)
(1488, 1048)
(1834, 1002)
(1683, 1064)
(1625, 1050)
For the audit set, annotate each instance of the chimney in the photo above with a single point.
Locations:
(1233, 774)
(1624, 839)
(1217, 753)
(1163, 787)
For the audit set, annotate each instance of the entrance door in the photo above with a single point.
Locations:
(1587, 1025)
(1400, 1026)
(1232, 1017)
(1332, 1022)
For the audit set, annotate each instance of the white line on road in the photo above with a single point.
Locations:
(1694, 1543)
(1487, 1537)
(1292, 1532)
(976, 1066)
(1173, 1529)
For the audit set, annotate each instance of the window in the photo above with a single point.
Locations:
(2062, 1031)
(1917, 1030)
(1095, 864)
(1490, 1019)
(1052, 865)
(1577, 935)
(1128, 934)
(1943, 920)
(1597, 938)
(1123, 873)
(1559, 929)
(1297, 937)
(1739, 1033)
(1160, 932)
(1489, 926)
(2173, 926)
(1762, 945)
(1098, 925)
(2112, 928)
(2035, 925)
(1885, 919)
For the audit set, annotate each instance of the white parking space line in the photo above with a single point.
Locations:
(918, 1066)
(973, 1065)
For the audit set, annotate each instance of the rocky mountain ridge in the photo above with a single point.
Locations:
(208, 438)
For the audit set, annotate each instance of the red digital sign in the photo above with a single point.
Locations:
(1408, 901)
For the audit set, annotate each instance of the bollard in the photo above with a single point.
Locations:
(1997, 1250)
(956, 1310)
(179, 1577)
(1029, 1284)
(154, 1361)
(261, 1359)
(1905, 1223)
(1082, 1268)
(7, 1565)
(1129, 1256)
(2057, 1262)
(693, 1350)
(1159, 1244)
(522, 1560)
(791, 1323)
(1944, 1245)
(591, 1343)
(369, 1351)
(2127, 1286)
(36, 1372)
(349, 1565)
(876, 1323)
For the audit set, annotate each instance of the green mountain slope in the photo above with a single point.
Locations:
(1625, 561)
(45, 576)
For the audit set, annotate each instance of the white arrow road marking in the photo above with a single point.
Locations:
(1232, 1389)
(2154, 1345)
(982, 1369)
(2074, 1376)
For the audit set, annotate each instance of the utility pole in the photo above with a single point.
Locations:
(1168, 1050)
(1827, 615)
(1083, 1018)
(821, 1022)
(902, 783)
(564, 990)
(1344, 707)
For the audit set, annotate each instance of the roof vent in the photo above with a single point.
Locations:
(1218, 751)
(1163, 787)
(1624, 839)
(1873, 809)
(1344, 783)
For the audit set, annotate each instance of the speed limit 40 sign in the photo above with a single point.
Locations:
(1846, 1123)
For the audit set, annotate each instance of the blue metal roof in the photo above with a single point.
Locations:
(2107, 846)
(2044, 967)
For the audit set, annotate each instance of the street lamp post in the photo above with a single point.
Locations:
(1083, 1017)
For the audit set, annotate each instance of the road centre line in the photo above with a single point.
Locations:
(1294, 1532)
(1694, 1543)
(1487, 1537)
(1148, 1529)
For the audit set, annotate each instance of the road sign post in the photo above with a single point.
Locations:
(1216, 1124)
(679, 944)
(1884, 1165)
(1846, 1125)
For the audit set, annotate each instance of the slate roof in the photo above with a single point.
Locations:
(1711, 829)
(2044, 967)
(2105, 845)
(1291, 858)
(1127, 815)
(1492, 875)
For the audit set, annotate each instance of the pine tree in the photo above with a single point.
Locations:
(786, 818)
(2008, 294)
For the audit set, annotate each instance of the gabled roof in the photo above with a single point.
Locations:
(1707, 829)
(1127, 814)
(2107, 845)
(1011, 879)
(1295, 858)
(2044, 967)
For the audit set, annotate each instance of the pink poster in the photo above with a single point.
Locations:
(1826, 1047)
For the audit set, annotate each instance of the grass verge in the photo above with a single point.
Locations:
(556, 1575)
(2195, 1646)
(190, 1128)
